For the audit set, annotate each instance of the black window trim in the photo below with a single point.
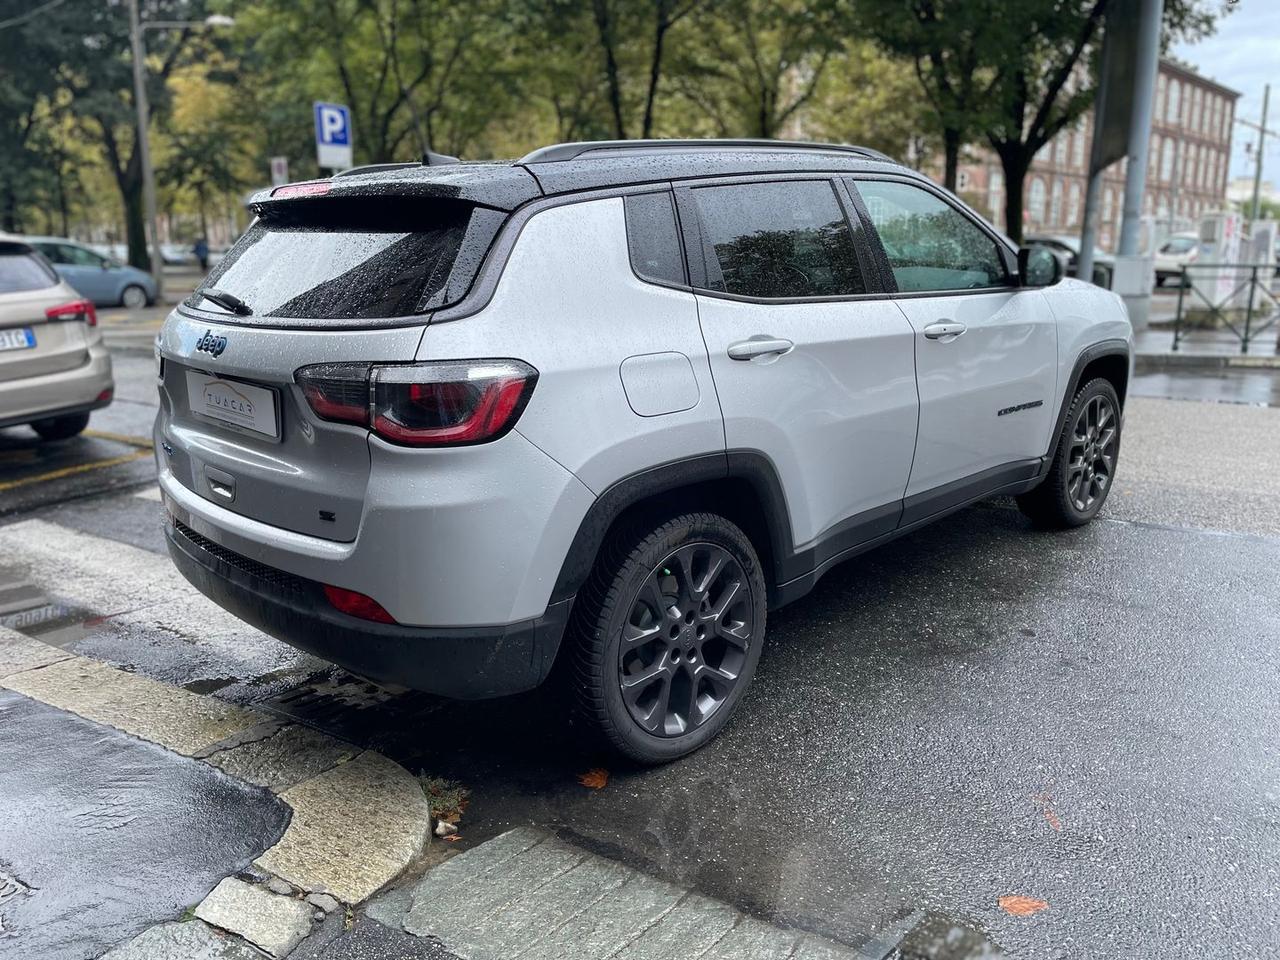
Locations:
(1008, 257)
(694, 240)
(666, 189)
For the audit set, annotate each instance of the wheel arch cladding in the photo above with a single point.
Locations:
(1108, 359)
(740, 486)
(1110, 366)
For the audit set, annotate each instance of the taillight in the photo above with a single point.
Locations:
(75, 310)
(357, 605)
(448, 403)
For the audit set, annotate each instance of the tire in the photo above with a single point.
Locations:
(682, 654)
(61, 428)
(1082, 454)
(133, 297)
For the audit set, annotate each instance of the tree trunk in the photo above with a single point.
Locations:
(655, 69)
(951, 151)
(135, 223)
(604, 27)
(1015, 163)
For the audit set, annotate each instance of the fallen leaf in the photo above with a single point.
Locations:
(454, 837)
(1052, 818)
(1021, 906)
(597, 778)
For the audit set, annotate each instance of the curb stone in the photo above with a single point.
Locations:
(359, 819)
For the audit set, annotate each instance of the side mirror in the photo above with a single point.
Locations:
(1039, 267)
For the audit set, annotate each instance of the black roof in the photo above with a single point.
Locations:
(569, 167)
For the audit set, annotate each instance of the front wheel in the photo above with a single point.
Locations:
(133, 297)
(1084, 461)
(666, 635)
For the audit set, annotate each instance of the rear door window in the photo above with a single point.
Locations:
(930, 244)
(653, 239)
(779, 240)
(339, 258)
(21, 271)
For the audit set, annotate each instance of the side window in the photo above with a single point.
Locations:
(53, 252)
(777, 240)
(653, 241)
(930, 244)
(82, 257)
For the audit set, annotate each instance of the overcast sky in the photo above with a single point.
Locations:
(1244, 54)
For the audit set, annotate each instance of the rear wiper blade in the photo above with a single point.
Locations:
(228, 301)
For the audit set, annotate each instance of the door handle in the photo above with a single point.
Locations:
(945, 330)
(759, 347)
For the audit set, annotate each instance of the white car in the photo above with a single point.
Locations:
(608, 406)
(54, 368)
(1178, 251)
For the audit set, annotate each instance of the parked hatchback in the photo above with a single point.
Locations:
(608, 406)
(54, 368)
(107, 282)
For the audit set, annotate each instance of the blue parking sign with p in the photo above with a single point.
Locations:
(333, 135)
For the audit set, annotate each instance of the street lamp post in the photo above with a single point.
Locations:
(138, 49)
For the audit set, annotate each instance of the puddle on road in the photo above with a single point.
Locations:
(936, 936)
(24, 607)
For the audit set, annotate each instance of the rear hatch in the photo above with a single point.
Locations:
(317, 280)
(43, 322)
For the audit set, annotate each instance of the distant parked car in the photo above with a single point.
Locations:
(107, 282)
(54, 368)
(1104, 264)
(176, 254)
(1175, 253)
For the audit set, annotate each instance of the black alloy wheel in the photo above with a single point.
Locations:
(666, 633)
(685, 640)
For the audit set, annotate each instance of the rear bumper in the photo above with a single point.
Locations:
(466, 663)
(28, 399)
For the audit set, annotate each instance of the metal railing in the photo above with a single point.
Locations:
(1258, 280)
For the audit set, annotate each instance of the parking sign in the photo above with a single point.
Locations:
(333, 136)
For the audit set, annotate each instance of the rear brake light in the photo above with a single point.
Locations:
(75, 310)
(311, 188)
(357, 605)
(435, 404)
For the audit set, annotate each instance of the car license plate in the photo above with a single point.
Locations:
(21, 338)
(233, 402)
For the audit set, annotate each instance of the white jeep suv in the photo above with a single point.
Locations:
(450, 424)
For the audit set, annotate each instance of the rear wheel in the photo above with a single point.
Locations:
(1084, 461)
(61, 428)
(667, 633)
(133, 297)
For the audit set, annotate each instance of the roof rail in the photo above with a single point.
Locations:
(576, 151)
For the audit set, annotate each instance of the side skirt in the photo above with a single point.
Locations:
(916, 511)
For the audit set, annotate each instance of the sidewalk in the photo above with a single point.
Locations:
(1204, 349)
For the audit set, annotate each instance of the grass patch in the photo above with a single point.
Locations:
(448, 798)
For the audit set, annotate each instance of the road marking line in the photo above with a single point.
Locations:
(79, 468)
(126, 438)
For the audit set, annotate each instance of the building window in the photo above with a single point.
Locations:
(995, 191)
(1036, 200)
(1077, 148)
(1158, 108)
(1073, 204)
(1173, 105)
(1060, 150)
(1153, 156)
(1166, 160)
(1108, 204)
(962, 181)
(1055, 203)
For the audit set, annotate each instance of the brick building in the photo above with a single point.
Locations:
(1186, 173)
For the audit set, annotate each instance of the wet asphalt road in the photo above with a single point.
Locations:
(104, 835)
(975, 711)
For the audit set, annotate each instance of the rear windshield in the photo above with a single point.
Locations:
(338, 258)
(22, 270)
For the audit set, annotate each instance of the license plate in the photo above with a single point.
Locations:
(233, 402)
(22, 338)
